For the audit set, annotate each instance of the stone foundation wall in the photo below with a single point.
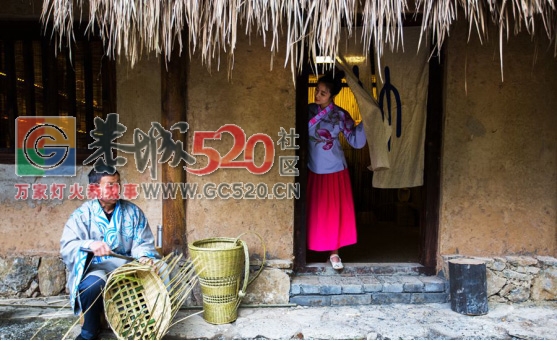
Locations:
(517, 278)
(23, 277)
(32, 276)
(509, 279)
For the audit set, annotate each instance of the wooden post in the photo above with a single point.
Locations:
(173, 98)
(468, 284)
(431, 195)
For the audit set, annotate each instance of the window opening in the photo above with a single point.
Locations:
(34, 81)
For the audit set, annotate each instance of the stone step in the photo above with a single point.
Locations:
(353, 269)
(324, 290)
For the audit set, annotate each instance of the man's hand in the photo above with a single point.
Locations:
(100, 248)
(148, 261)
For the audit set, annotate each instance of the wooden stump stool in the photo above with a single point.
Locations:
(468, 284)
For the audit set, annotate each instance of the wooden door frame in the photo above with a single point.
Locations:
(300, 216)
(429, 223)
(432, 164)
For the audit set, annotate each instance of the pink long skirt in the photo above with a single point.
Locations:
(331, 221)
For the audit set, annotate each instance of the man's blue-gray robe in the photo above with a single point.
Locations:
(127, 233)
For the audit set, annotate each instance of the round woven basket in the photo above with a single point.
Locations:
(137, 304)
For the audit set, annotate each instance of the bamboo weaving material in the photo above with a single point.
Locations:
(141, 301)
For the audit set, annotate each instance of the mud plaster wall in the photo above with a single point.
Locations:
(139, 104)
(259, 101)
(30, 227)
(499, 158)
(499, 168)
(34, 227)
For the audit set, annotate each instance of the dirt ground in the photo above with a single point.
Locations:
(51, 319)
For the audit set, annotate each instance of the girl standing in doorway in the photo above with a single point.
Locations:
(331, 219)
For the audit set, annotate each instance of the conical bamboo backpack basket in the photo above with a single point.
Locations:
(221, 264)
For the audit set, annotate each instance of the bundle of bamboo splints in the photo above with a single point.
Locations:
(141, 301)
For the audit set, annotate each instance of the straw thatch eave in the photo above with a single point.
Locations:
(130, 27)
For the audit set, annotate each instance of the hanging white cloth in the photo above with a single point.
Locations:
(377, 130)
(408, 77)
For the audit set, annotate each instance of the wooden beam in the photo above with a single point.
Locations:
(29, 76)
(173, 100)
(108, 86)
(70, 86)
(11, 93)
(50, 78)
(89, 95)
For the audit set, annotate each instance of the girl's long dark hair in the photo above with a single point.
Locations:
(332, 81)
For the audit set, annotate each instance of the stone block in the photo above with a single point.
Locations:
(311, 300)
(494, 282)
(330, 285)
(52, 276)
(544, 287)
(497, 299)
(351, 299)
(371, 284)
(498, 264)
(307, 284)
(388, 297)
(391, 283)
(547, 261)
(352, 285)
(487, 260)
(529, 270)
(515, 292)
(196, 297)
(66, 286)
(519, 293)
(411, 284)
(516, 275)
(330, 290)
(429, 297)
(445, 265)
(433, 283)
(295, 289)
(32, 291)
(17, 274)
(272, 286)
(283, 264)
(521, 260)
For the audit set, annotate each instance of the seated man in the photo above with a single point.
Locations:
(104, 226)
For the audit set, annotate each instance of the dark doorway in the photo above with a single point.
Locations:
(394, 225)
(388, 220)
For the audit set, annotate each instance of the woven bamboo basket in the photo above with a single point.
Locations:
(222, 264)
(141, 301)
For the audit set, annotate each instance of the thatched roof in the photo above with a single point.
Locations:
(130, 27)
